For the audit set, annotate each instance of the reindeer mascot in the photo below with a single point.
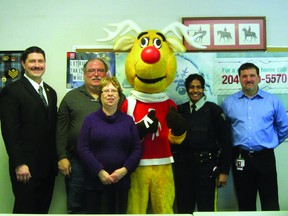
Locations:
(150, 68)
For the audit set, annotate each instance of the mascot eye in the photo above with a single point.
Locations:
(144, 42)
(157, 43)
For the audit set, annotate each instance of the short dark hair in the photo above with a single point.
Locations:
(192, 77)
(32, 49)
(246, 66)
(99, 59)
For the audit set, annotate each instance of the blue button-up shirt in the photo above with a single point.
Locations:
(258, 122)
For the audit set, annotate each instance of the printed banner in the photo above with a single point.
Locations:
(273, 73)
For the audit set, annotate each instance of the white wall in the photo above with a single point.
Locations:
(58, 25)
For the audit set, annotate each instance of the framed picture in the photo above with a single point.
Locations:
(10, 67)
(227, 33)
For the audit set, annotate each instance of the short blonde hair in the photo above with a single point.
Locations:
(113, 80)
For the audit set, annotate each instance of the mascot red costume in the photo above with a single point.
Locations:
(150, 68)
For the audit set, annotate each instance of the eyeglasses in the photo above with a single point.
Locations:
(107, 91)
(99, 70)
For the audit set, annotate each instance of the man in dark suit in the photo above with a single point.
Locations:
(28, 122)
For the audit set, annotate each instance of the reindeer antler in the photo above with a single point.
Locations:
(175, 27)
(120, 30)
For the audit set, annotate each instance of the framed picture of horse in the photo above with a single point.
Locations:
(226, 33)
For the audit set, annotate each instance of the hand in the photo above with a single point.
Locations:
(64, 167)
(118, 174)
(22, 173)
(222, 180)
(149, 124)
(105, 178)
(175, 122)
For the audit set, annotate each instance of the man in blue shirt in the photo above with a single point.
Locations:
(259, 123)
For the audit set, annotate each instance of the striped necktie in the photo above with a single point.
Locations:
(40, 92)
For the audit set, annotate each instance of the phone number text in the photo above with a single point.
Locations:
(268, 78)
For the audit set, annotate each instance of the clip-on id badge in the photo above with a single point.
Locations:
(240, 162)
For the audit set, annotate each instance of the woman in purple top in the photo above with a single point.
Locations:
(110, 149)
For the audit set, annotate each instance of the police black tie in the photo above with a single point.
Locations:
(193, 108)
(40, 92)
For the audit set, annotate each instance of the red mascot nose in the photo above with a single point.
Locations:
(150, 55)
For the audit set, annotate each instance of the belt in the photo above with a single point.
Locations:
(249, 153)
(203, 156)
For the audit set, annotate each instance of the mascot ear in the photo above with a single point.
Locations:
(124, 43)
(175, 44)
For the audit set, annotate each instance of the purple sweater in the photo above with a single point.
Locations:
(108, 143)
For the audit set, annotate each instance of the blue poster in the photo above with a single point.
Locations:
(76, 61)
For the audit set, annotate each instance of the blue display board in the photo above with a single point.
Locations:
(219, 69)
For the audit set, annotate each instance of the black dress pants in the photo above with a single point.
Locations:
(194, 185)
(258, 175)
(33, 197)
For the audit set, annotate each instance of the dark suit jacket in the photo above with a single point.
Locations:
(28, 128)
